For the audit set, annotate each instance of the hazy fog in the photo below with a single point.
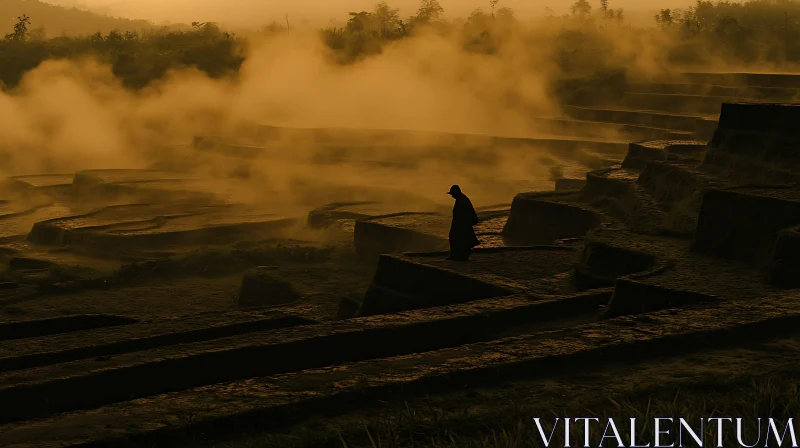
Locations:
(73, 114)
(68, 115)
(257, 12)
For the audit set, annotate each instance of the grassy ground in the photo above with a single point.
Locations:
(419, 426)
(776, 397)
(747, 382)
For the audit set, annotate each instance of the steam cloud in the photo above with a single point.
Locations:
(69, 115)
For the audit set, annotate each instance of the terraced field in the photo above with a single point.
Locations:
(653, 245)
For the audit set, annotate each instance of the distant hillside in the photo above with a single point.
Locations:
(56, 20)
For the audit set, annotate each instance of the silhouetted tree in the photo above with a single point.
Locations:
(20, 29)
(384, 22)
(664, 18)
(605, 11)
(581, 8)
(505, 13)
(359, 22)
(114, 36)
(610, 13)
(478, 19)
(208, 28)
(388, 20)
(429, 11)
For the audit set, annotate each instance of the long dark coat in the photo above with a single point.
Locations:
(462, 235)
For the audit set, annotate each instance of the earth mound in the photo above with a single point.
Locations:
(538, 218)
(564, 184)
(264, 286)
(602, 263)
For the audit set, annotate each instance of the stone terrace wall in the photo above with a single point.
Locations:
(765, 132)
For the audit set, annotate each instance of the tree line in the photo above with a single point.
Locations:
(752, 32)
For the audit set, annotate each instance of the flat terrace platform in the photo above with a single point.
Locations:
(82, 343)
(780, 80)
(421, 232)
(44, 183)
(642, 117)
(414, 281)
(331, 214)
(15, 226)
(516, 267)
(139, 225)
(688, 271)
(125, 176)
(149, 185)
(758, 93)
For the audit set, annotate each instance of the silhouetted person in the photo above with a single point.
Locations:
(462, 236)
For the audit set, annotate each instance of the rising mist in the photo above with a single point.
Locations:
(72, 114)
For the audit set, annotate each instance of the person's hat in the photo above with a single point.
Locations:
(455, 189)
